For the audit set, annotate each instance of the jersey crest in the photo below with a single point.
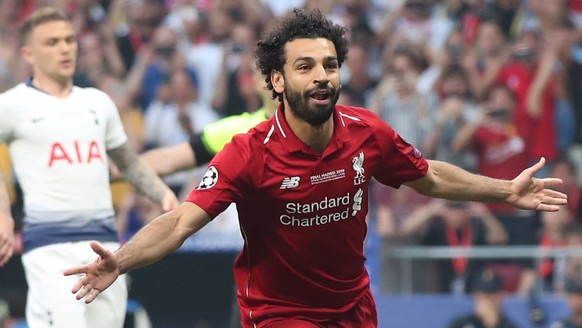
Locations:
(358, 165)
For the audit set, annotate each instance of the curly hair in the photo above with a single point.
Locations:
(270, 52)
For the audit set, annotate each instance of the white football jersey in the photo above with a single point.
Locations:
(58, 151)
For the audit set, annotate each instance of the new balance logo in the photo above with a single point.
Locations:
(37, 119)
(290, 182)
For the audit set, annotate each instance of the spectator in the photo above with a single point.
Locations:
(457, 108)
(487, 57)
(530, 75)
(487, 311)
(500, 151)
(550, 271)
(566, 169)
(174, 116)
(574, 300)
(396, 100)
(137, 23)
(359, 84)
(456, 224)
(234, 92)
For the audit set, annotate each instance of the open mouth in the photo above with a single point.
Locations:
(320, 95)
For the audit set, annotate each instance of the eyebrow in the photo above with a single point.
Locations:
(310, 59)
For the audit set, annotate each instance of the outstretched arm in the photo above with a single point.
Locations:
(157, 239)
(444, 180)
(142, 177)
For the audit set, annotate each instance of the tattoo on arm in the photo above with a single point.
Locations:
(136, 172)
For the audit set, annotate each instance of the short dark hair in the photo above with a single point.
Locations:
(270, 53)
(39, 17)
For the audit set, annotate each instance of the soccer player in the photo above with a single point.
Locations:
(300, 182)
(60, 137)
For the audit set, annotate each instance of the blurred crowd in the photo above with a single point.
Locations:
(489, 85)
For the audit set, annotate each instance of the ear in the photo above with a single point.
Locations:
(278, 81)
(27, 54)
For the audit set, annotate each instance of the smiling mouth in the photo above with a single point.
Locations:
(320, 95)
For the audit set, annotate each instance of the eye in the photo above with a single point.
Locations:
(303, 68)
(332, 66)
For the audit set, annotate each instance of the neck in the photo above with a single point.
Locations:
(57, 88)
(316, 137)
(270, 106)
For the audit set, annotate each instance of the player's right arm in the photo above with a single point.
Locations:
(160, 237)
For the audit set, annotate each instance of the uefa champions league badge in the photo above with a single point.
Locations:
(209, 179)
(416, 153)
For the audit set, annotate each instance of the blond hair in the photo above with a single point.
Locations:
(39, 17)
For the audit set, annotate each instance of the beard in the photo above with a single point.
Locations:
(313, 114)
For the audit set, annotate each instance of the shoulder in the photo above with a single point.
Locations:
(91, 92)
(13, 97)
(355, 117)
(94, 97)
(365, 121)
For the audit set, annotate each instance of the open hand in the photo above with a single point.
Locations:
(533, 193)
(98, 275)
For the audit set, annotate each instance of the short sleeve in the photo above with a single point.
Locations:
(401, 162)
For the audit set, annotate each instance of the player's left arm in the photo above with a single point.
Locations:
(444, 180)
(141, 176)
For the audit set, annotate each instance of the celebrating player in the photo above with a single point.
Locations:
(300, 182)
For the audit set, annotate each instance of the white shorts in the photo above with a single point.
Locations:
(50, 302)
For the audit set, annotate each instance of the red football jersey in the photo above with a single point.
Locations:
(303, 214)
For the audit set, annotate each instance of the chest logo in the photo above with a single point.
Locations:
(358, 165)
(290, 182)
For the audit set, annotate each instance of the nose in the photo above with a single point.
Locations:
(321, 76)
(65, 46)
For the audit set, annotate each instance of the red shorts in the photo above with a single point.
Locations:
(362, 315)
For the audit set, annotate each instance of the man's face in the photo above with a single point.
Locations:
(311, 79)
(51, 49)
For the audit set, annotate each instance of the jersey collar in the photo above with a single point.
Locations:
(293, 144)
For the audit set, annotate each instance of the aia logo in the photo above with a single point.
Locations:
(76, 152)
(290, 182)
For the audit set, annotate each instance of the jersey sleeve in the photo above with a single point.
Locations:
(115, 135)
(401, 161)
(232, 174)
